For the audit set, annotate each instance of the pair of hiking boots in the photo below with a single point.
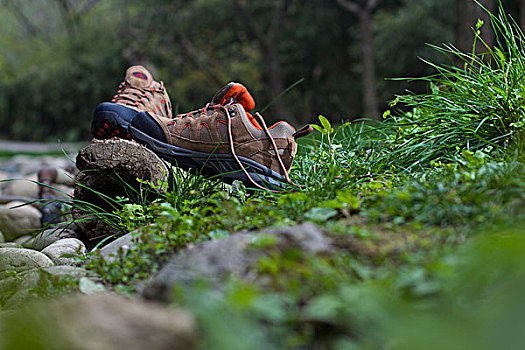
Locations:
(222, 138)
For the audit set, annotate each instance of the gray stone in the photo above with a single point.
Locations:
(99, 321)
(308, 237)
(10, 245)
(25, 165)
(88, 286)
(25, 186)
(25, 241)
(52, 235)
(119, 246)
(236, 254)
(21, 259)
(2, 239)
(17, 289)
(70, 246)
(19, 221)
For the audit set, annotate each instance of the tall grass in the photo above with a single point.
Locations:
(475, 102)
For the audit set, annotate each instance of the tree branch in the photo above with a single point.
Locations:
(349, 6)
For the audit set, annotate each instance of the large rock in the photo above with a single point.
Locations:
(17, 266)
(26, 274)
(119, 246)
(52, 235)
(69, 246)
(19, 221)
(98, 321)
(17, 289)
(21, 259)
(236, 254)
(111, 167)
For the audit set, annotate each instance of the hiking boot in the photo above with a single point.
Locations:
(222, 140)
(137, 93)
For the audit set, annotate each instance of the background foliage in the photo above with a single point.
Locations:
(60, 58)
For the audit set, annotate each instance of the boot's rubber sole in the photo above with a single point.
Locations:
(112, 120)
(224, 165)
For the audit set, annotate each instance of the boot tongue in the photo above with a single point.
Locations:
(139, 76)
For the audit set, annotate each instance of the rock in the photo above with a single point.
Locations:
(210, 259)
(111, 167)
(52, 235)
(65, 177)
(122, 244)
(16, 266)
(25, 186)
(25, 165)
(236, 254)
(2, 239)
(98, 321)
(21, 259)
(25, 241)
(10, 245)
(87, 286)
(307, 237)
(72, 272)
(70, 246)
(19, 221)
(17, 289)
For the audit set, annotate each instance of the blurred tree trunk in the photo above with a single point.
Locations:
(467, 15)
(364, 12)
(268, 40)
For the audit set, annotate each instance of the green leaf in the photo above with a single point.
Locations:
(318, 128)
(326, 124)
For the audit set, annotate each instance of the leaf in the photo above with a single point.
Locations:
(326, 124)
(318, 128)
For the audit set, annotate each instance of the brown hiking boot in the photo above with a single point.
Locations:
(222, 140)
(139, 92)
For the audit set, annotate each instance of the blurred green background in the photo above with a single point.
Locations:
(60, 58)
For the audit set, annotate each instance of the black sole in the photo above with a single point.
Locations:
(108, 124)
(224, 165)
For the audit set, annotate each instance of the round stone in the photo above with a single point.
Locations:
(69, 246)
(21, 259)
(50, 236)
(17, 219)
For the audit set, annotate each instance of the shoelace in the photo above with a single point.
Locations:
(133, 94)
(210, 106)
(232, 148)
